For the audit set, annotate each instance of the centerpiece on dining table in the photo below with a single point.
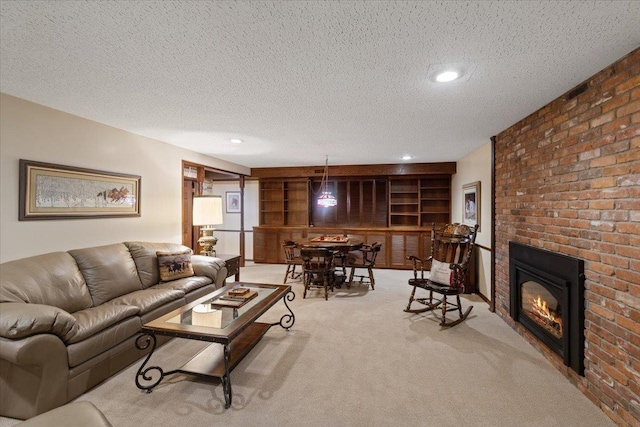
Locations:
(331, 239)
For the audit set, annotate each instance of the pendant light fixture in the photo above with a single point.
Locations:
(326, 199)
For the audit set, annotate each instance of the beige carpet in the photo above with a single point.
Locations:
(359, 360)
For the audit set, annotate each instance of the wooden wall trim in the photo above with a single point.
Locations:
(446, 168)
(483, 247)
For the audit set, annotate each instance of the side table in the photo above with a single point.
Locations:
(232, 263)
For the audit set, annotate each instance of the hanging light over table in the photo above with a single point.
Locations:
(326, 199)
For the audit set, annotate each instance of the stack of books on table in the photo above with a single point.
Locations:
(237, 297)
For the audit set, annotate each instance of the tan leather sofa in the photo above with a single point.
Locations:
(74, 414)
(69, 320)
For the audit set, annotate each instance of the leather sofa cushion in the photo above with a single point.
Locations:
(144, 255)
(186, 285)
(105, 340)
(148, 299)
(20, 320)
(93, 320)
(74, 414)
(50, 279)
(109, 271)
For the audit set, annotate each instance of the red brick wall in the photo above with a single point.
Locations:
(567, 179)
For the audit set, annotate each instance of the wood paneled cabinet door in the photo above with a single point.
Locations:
(267, 247)
(401, 245)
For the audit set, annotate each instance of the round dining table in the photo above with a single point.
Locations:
(342, 246)
(351, 244)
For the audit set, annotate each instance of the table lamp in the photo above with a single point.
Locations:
(207, 212)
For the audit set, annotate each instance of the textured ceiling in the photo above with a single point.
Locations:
(298, 80)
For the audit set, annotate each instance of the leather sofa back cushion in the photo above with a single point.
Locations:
(50, 279)
(109, 271)
(144, 255)
(20, 320)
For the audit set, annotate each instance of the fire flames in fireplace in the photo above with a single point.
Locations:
(548, 319)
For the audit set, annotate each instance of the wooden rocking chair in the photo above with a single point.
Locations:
(451, 250)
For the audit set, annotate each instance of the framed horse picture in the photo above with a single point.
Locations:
(49, 191)
(471, 204)
(233, 202)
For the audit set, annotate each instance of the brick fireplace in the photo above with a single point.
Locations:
(567, 181)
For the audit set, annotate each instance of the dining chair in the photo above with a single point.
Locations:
(292, 258)
(364, 258)
(319, 269)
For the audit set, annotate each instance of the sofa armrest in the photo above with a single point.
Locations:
(211, 267)
(21, 320)
(33, 375)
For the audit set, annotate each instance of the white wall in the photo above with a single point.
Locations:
(476, 167)
(228, 233)
(34, 132)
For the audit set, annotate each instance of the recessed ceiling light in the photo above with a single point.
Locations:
(236, 141)
(406, 157)
(447, 76)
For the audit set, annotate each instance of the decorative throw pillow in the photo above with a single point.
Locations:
(174, 265)
(440, 273)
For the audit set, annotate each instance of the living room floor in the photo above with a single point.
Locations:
(359, 360)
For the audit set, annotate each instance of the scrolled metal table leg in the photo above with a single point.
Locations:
(287, 320)
(142, 343)
(226, 380)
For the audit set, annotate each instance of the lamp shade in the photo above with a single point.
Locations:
(207, 210)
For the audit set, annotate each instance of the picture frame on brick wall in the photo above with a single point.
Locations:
(471, 204)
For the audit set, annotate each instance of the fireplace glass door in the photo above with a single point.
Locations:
(542, 308)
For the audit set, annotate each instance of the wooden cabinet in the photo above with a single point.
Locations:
(396, 244)
(419, 202)
(266, 245)
(284, 202)
(415, 201)
(272, 202)
(362, 202)
(394, 204)
(401, 245)
(296, 202)
(435, 200)
(404, 202)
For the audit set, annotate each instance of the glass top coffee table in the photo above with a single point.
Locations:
(227, 318)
